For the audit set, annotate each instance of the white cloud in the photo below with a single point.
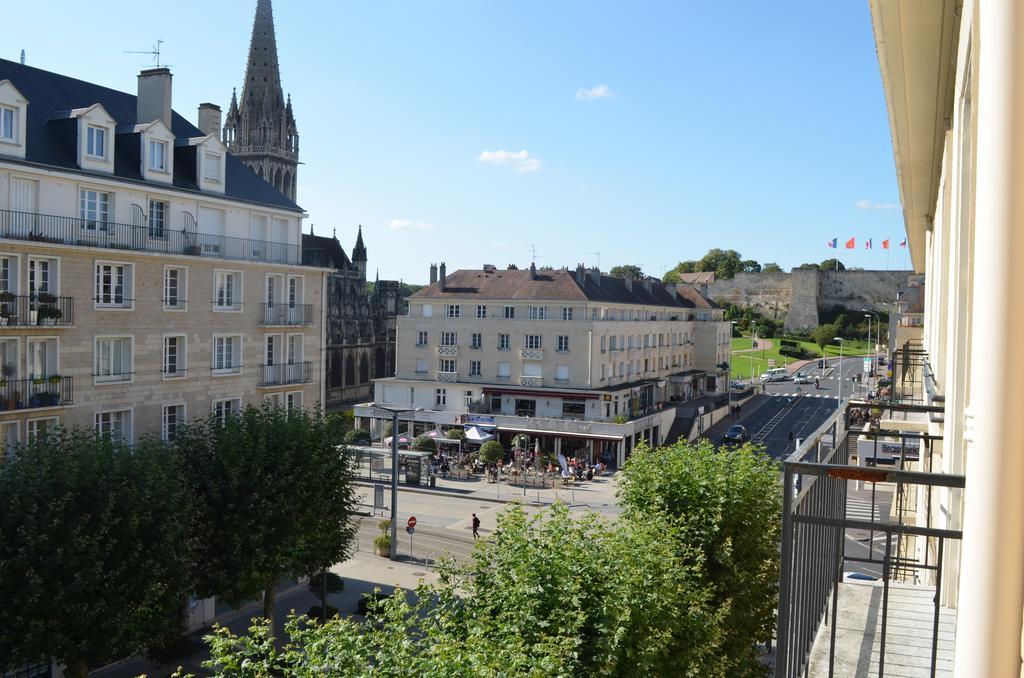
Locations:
(595, 92)
(407, 225)
(521, 160)
(868, 205)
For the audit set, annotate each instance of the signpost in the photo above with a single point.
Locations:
(410, 528)
(412, 521)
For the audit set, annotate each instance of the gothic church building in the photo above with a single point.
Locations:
(260, 131)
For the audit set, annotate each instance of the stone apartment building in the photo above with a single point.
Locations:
(586, 364)
(146, 275)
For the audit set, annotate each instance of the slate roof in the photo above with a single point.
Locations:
(319, 250)
(697, 278)
(559, 285)
(913, 297)
(50, 96)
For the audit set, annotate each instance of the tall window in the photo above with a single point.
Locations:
(453, 311)
(474, 368)
(225, 407)
(96, 142)
(449, 339)
(211, 166)
(174, 357)
(113, 285)
(158, 155)
(41, 428)
(446, 365)
(503, 342)
(93, 209)
(117, 425)
(532, 341)
(481, 311)
(421, 366)
(476, 340)
(563, 343)
(227, 291)
(113, 359)
(5, 274)
(510, 312)
(174, 288)
(440, 396)
(158, 218)
(293, 400)
(538, 312)
(172, 418)
(421, 338)
(503, 370)
(227, 354)
(567, 313)
(7, 125)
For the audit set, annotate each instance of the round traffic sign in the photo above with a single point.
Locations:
(412, 521)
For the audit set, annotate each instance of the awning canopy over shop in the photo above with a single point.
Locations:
(477, 435)
(560, 434)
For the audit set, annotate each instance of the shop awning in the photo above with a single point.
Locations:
(476, 435)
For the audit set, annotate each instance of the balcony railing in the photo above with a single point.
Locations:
(881, 519)
(532, 354)
(36, 310)
(49, 228)
(282, 374)
(285, 314)
(448, 377)
(531, 381)
(18, 394)
(447, 350)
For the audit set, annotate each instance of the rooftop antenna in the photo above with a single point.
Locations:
(533, 254)
(22, 57)
(598, 259)
(155, 53)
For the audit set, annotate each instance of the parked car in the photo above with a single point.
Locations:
(736, 434)
(801, 379)
(737, 384)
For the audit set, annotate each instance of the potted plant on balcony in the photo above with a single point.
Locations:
(6, 299)
(54, 394)
(49, 315)
(4, 316)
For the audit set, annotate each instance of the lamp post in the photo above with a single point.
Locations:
(394, 412)
(878, 340)
(839, 398)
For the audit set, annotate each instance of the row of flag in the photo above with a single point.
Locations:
(852, 243)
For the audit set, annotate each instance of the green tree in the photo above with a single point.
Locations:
(832, 265)
(95, 550)
(822, 335)
(358, 435)
(424, 444)
(771, 267)
(548, 596)
(455, 434)
(750, 266)
(727, 504)
(274, 497)
(491, 452)
(725, 263)
(626, 270)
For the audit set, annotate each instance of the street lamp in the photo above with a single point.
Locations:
(394, 412)
(839, 398)
(878, 340)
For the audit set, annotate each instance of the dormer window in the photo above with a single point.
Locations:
(8, 124)
(96, 142)
(158, 155)
(211, 166)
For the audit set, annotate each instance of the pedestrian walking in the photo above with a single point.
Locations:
(476, 521)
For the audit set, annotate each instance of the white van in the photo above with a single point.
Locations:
(776, 374)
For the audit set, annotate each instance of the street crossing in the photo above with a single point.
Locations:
(862, 509)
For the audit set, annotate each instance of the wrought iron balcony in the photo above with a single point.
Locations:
(531, 354)
(447, 350)
(285, 314)
(48, 228)
(867, 502)
(530, 381)
(283, 374)
(20, 394)
(36, 310)
(448, 377)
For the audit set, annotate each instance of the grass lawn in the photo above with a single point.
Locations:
(755, 362)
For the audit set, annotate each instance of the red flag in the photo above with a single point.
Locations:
(851, 243)
(885, 244)
(867, 245)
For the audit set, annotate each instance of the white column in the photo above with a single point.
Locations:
(991, 597)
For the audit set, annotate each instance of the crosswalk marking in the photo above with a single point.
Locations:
(862, 509)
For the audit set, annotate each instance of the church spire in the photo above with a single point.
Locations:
(262, 73)
(359, 254)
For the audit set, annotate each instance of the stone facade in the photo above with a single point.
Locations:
(260, 130)
(799, 296)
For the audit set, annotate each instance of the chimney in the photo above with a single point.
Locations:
(209, 119)
(671, 289)
(441, 277)
(433, 273)
(581, 275)
(154, 99)
(533, 271)
(647, 285)
(595, 275)
(628, 280)
(704, 288)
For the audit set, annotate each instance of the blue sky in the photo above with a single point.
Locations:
(467, 131)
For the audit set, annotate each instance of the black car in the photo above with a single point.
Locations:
(737, 433)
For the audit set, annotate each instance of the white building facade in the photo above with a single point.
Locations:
(586, 364)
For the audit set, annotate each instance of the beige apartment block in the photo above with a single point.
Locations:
(147, 277)
(587, 364)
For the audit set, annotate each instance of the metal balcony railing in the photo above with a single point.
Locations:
(19, 394)
(286, 373)
(36, 310)
(105, 234)
(285, 314)
(880, 518)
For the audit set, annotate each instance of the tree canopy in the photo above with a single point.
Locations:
(95, 549)
(491, 452)
(832, 265)
(771, 267)
(626, 271)
(724, 263)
